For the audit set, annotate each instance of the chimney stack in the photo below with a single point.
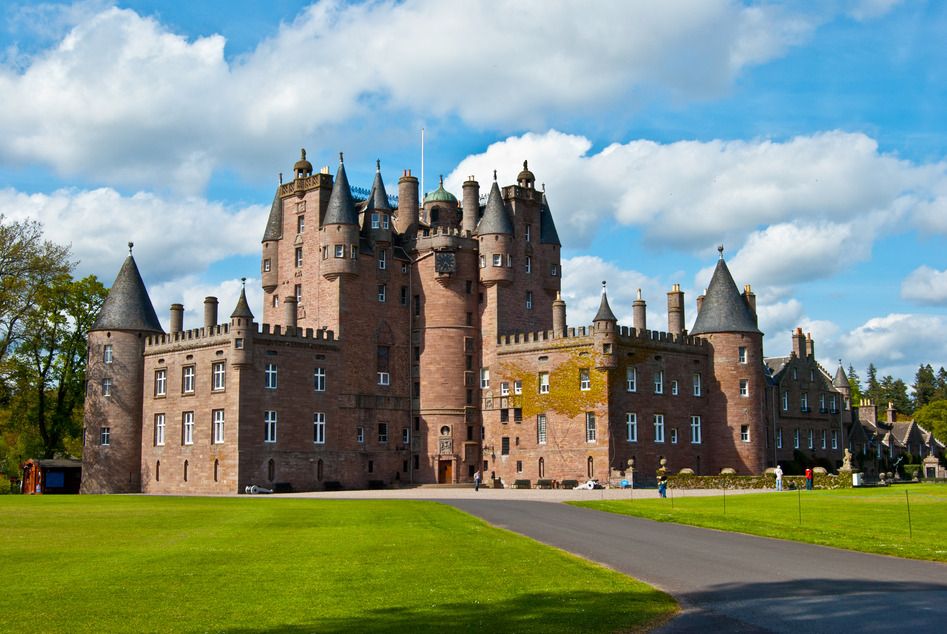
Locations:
(891, 412)
(799, 344)
(470, 205)
(289, 314)
(810, 346)
(406, 218)
(676, 311)
(639, 313)
(210, 312)
(558, 316)
(177, 317)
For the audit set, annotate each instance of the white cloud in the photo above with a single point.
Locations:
(895, 343)
(925, 285)
(191, 292)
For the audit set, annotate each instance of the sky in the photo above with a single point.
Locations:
(810, 139)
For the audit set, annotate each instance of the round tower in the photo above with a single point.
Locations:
(471, 205)
(406, 218)
(440, 207)
(495, 233)
(339, 231)
(605, 333)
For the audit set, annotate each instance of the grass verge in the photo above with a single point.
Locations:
(121, 563)
(867, 520)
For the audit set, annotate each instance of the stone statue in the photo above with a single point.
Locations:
(846, 461)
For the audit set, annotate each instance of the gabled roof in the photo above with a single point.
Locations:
(547, 228)
(604, 310)
(243, 308)
(724, 308)
(341, 209)
(274, 224)
(776, 364)
(495, 218)
(128, 306)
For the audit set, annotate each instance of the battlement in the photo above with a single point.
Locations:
(288, 332)
(627, 335)
(194, 335)
(302, 184)
(215, 335)
(444, 237)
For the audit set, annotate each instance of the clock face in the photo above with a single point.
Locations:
(445, 262)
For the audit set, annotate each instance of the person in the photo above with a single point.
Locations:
(663, 486)
(477, 481)
(779, 478)
(809, 479)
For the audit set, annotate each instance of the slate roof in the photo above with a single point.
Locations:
(547, 228)
(128, 306)
(495, 218)
(242, 308)
(274, 224)
(379, 197)
(604, 310)
(724, 308)
(776, 364)
(341, 209)
(841, 379)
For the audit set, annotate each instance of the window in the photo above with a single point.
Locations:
(589, 427)
(319, 428)
(161, 382)
(554, 270)
(528, 232)
(386, 224)
(384, 378)
(742, 354)
(519, 466)
(382, 292)
(504, 415)
(659, 428)
(187, 429)
(353, 254)
(822, 404)
(825, 437)
(298, 293)
(319, 379)
(275, 301)
(631, 427)
(509, 261)
(269, 426)
(497, 259)
(811, 439)
(517, 414)
(529, 300)
(697, 388)
(785, 401)
(105, 434)
(107, 353)
(674, 387)
(631, 379)
(795, 374)
(505, 446)
(300, 224)
(585, 381)
(106, 387)
(299, 257)
(325, 253)
(382, 259)
(544, 383)
(406, 436)
(804, 402)
(541, 429)
(159, 430)
(360, 435)
(504, 389)
(484, 378)
(340, 250)
(779, 438)
(517, 387)
(376, 222)
(695, 430)
(745, 433)
(382, 432)
(834, 404)
(795, 438)
(674, 435)
(659, 382)
(270, 376)
(218, 417)
(811, 375)
(187, 379)
(218, 376)
(529, 264)
(483, 261)
(267, 265)
(834, 439)
(744, 387)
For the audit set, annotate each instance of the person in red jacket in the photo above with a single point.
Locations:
(809, 479)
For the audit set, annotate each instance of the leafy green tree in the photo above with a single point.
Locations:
(925, 383)
(933, 418)
(854, 385)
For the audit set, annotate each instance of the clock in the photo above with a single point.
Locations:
(445, 262)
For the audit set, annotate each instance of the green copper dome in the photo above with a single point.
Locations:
(440, 195)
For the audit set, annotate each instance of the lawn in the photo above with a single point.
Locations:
(134, 563)
(869, 520)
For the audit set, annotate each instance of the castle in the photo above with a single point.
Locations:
(420, 341)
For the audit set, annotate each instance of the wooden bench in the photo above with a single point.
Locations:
(521, 484)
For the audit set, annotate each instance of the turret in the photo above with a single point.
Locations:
(269, 265)
(495, 232)
(242, 329)
(676, 311)
(549, 243)
(406, 218)
(378, 211)
(440, 207)
(111, 458)
(339, 231)
(525, 178)
(840, 383)
(558, 317)
(604, 331)
(471, 205)
(639, 313)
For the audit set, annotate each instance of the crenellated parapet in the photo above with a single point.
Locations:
(444, 238)
(626, 336)
(221, 335)
(299, 186)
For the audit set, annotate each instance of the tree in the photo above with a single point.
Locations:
(940, 385)
(854, 385)
(933, 418)
(925, 383)
(48, 363)
(872, 387)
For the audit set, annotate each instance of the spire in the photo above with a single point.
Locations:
(341, 209)
(274, 224)
(495, 218)
(604, 310)
(724, 309)
(379, 197)
(128, 306)
(841, 379)
(547, 228)
(243, 308)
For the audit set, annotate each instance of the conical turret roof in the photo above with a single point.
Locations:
(379, 197)
(341, 209)
(604, 310)
(495, 218)
(242, 308)
(274, 224)
(547, 228)
(724, 308)
(128, 306)
(841, 379)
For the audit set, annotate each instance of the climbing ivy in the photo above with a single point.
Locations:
(564, 396)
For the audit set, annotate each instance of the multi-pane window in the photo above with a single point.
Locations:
(319, 428)
(360, 435)
(811, 439)
(187, 431)
(590, 427)
(697, 387)
(376, 221)
(674, 387)
(299, 257)
(785, 401)
(795, 374)
(406, 436)
(631, 427)
(674, 435)
(106, 387)
(340, 250)
(385, 221)
(517, 387)
(659, 428)
(267, 265)
(298, 292)
(659, 382)
(744, 387)
(319, 379)
(779, 438)
(544, 383)
(529, 264)
(505, 446)
(825, 436)
(742, 354)
(107, 353)
(161, 382)
(804, 401)
(382, 293)
(483, 261)
(795, 439)
(695, 430)
(159, 430)
(745, 433)
(529, 300)
(834, 439)
(269, 426)
(484, 378)
(105, 434)
(504, 389)
(218, 417)
(822, 402)
(497, 259)
(554, 270)
(269, 376)
(300, 224)
(219, 375)
(541, 429)
(382, 259)
(382, 366)
(382, 432)
(187, 379)
(834, 403)
(631, 379)
(528, 232)
(585, 381)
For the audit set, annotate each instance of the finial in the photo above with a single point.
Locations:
(341, 158)
(243, 281)
(442, 181)
(544, 188)
(524, 165)
(603, 286)
(281, 178)
(720, 251)
(130, 246)
(639, 293)
(377, 165)
(302, 154)
(840, 362)
(494, 175)
(558, 296)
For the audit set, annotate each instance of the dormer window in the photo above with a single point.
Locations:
(376, 221)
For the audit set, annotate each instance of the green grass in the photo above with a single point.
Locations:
(141, 564)
(868, 520)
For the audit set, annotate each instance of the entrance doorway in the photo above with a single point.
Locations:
(445, 471)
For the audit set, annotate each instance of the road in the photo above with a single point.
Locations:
(739, 583)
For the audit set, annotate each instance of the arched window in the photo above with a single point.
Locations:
(542, 468)
(271, 470)
(158, 471)
(216, 470)
(319, 470)
(591, 468)
(185, 470)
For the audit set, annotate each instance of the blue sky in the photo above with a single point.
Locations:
(808, 138)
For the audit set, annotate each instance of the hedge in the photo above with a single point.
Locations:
(768, 481)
